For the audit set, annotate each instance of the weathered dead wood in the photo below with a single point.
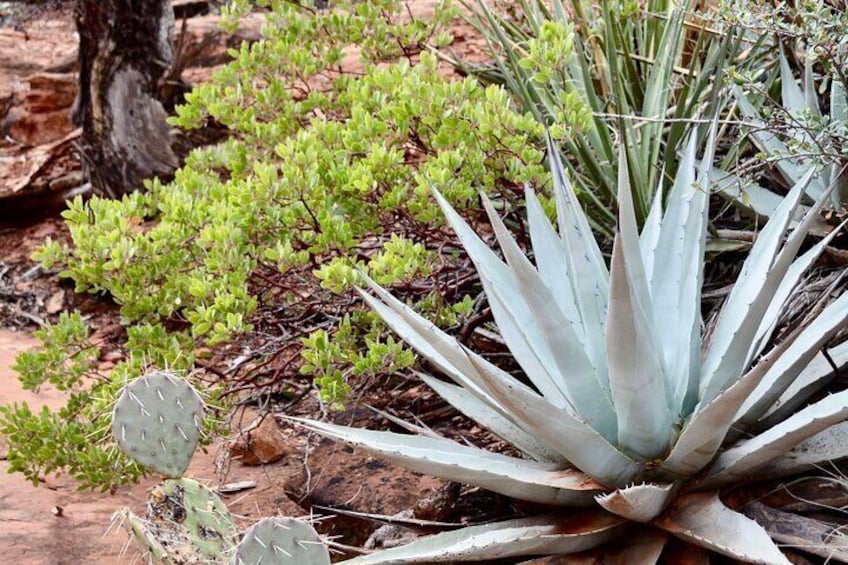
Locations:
(799, 532)
(39, 156)
(812, 494)
(125, 48)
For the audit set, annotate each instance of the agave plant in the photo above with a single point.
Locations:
(800, 105)
(629, 415)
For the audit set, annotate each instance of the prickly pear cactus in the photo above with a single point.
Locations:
(186, 523)
(282, 541)
(140, 530)
(157, 421)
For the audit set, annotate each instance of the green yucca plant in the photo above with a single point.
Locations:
(631, 415)
(599, 72)
(801, 106)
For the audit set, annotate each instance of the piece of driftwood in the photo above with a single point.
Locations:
(125, 48)
(799, 532)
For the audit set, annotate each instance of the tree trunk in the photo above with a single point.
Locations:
(125, 48)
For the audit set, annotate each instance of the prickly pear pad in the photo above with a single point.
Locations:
(185, 523)
(282, 540)
(156, 421)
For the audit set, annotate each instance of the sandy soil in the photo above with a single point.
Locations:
(30, 529)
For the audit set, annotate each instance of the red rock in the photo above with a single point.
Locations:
(262, 445)
(40, 109)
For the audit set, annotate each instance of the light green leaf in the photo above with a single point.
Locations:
(545, 483)
(638, 503)
(636, 373)
(742, 460)
(543, 535)
(702, 519)
(491, 419)
(558, 347)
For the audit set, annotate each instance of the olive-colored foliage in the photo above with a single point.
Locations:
(794, 109)
(329, 153)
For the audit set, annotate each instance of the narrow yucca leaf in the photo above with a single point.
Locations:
(492, 420)
(742, 313)
(636, 374)
(571, 370)
(408, 426)
(744, 459)
(543, 535)
(638, 503)
(798, 356)
(811, 379)
(659, 87)
(545, 483)
(702, 519)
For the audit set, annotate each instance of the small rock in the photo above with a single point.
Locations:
(260, 446)
(39, 111)
(55, 303)
(236, 487)
(113, 356)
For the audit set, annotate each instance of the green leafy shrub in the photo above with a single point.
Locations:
(327, 171)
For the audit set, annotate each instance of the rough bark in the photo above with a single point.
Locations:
(125, 48)
(813, 536)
